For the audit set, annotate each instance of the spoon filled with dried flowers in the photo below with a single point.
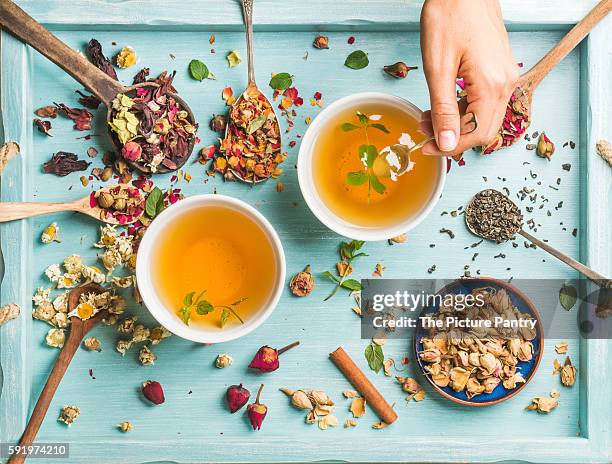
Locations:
(118, 204)
(152, 128)
(252, 142)
(493, 216)
(518, 111)
(84, 316)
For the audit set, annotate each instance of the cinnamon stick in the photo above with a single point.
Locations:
(363, 385)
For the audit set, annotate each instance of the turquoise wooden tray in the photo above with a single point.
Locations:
(573, 103)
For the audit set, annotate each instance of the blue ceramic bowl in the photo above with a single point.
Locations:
(527, 369)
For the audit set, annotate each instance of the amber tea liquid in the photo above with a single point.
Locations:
(336, 154)
(219, 250)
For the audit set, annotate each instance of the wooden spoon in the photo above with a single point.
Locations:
(78, 330)
(584, 270)
(10, 211)
(24, 27)
(252, 89)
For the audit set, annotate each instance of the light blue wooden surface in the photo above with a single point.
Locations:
(195, 427)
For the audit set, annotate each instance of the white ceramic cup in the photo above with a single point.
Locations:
(306, 174)
(168, 316)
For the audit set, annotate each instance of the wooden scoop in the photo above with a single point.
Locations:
(78, 330)
(10, 211)
(247, 11)
(20, 24)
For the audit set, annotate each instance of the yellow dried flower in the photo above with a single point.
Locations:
(223, 361)
(126, 57)
(50, 233)
(233, 58)
(69, 414)
(92, 344)
(8, 312)
(125, 426)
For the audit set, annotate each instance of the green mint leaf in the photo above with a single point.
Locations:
(332, 277)
(352, 284)
(568, 296)
(357, 244)
(372, 153)
(375, 357)
(204, 307)
(185, 314)
(380, 127)
(199, 296)
(224, 316)
(357, 60)
(198, 70)
(363, 119)
(356, 178)
(281, 81)
(256, 123)
(188, 300)
(347, 127)
(377, 185)
(346, 250)
(154, 198)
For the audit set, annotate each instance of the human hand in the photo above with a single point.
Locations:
(465, 39)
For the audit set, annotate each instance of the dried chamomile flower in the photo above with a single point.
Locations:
(108, 236)
(92, 344)
(543, 404)
(157, 334)
(123, 282)
(111, 258)
(56, 338)
(122, 346)
(8, 312)
(50, 233)
(116, 305)
(68, 280)
(350, 394)
(69, 414)
(74, 264)
(125, 426)
(140, 334)
(41, 296)
(126, 58)
(60, 303)
(60, 320)
(53, 272)
(327, 421)
(357, 407)
(223, 361)
(44, 312)
(126, 325)
(111, 319)
(561, 347)
(146, 356)
(93, 274)
(302, 283)
(350, 423)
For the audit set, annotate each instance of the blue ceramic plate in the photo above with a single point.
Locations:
(527, 369)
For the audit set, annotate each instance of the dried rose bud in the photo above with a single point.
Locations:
(545, 147)
(266, 359)
(131, 151)
(568, 373)
(320, 42)
(302, 283)
(218, 123)
(236, 397)
(399, 70)
(257, 411)
(153, 391)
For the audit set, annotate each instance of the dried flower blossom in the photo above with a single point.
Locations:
(321, 42)
(92, 344)
(69, 414)
(97, 57)
(141, 76)
(63, 163)
(567, 372)
(50, 233)
(357, 407)
(43, 126)
(236, 397)
(88, 101)
(8, 312)
(302, 283)
(126, 58)
(544, 404)
(233, 58)
(146, 356)
(350, 393)
(153, 391)
(327, 421)
(157, 334)
(122, 346)
(223, 360)
(257, 411)
(47, 112)
(126, 325)
(561, 347)
(515, 123)
(56, 338)
(266, 359)
(399, 70)
(81, 117)
(545, 148)
(378, 270)
(120, 203)
(218, 123)
(125, 426)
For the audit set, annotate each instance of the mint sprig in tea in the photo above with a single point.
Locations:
(214, 267)
(356, 161)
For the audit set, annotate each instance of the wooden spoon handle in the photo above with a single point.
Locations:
(10, 211)
(44, 400)
(534, 76)
(24, 27)
(247, 12)
(584, 270)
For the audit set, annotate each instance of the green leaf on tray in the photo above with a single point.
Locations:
(281, 81)
(198, 70)
(375, 357)
(155, 202)
(352, 284)
(567, 296)
(357, 60)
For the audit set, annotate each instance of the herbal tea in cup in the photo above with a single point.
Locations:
(356, 170)
(212, 267)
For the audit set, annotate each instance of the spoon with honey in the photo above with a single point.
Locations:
(78, 330)
(106, 89)
(106, 204)
(248, 138)
(493, 216)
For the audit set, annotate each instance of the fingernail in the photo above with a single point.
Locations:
(447, 140)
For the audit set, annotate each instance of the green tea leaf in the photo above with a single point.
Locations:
(155, 197)
(568, 296)
(198, 70)
(256, 123)
(363, 119)
(204, 307)
(357, 244)
(185, 314)
(357, 60)
(330, 276)
(224, 316)
(281, 81)
(356, 178)
(377, 185)
(375, 357)
(380, 127)
(352, 284)
(188, 300)
(347, 126)
(372, 153)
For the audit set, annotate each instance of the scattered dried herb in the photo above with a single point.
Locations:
(375, 357)
(123, 204)
(568, 296)
(191, 302)
(126, 58)
(43, 126)
(94, 49)
(81, 117)
(357, 60)
(399, 70)
(302, 283)
(141, 76)
(218, 123)
(88, 101)
(321, 42)
(349, 251)
(515, 123)
(492, 215)
(233, 58)
(63, 163)
(47, 112)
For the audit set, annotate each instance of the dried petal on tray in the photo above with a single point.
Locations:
(302, 283)
(141, 76)
(544, 404)
(46, 112)
(92, 344)
(63, 163)
(515, 123)
(97, 57)
(126, 58)
(357, 407)
(399, 70)
(8, 312)
(251, 147)
(56, 338)
(88, 101)
(50, 233)
(69, 414)
(81, 117)
(545, 147)
(125, 426)
(233, 58)
(43, 126)
(561, 347)
(604, 149)
(7, 152)
(321, 42)
(146, 356)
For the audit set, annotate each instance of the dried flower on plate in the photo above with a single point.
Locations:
(350, 394)
(8, 312)
(321, 42)
(302, 283)
(63, 163)
(266, 358)
(126, 58)
(50, 233)
(69, 414)
(125, 426)
(223, 361)
(153, 391)
(92, 344)
(256, 412)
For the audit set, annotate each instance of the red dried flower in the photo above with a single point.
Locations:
(351, 40)
(153, 391)
(81, 117)
(318, 95)
(266, 358)
(131, 151)
(257, 411)
(236, 396)
(43, 126)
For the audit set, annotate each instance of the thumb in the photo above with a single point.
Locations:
(444, 109)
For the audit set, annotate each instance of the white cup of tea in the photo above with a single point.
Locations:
(245, 260)
(329, 155)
